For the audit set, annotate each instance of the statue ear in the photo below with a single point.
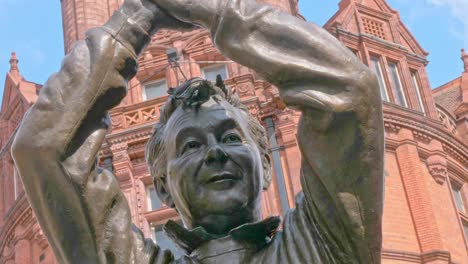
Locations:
(161, 190)
(266, 162)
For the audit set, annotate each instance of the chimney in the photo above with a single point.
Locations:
(464, 57)
(464, 78)
(14, 71)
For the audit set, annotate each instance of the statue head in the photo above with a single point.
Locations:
(208, 157)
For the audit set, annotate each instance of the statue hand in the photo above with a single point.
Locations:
(198, 12)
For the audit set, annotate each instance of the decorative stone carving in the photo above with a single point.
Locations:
(450, 149)
(437, 166)
(438, 172)
(138, 160)
(121, 161)
(421, 136)
(163, 35)
(119, 157)
(245, 89)
(119, 147)
(429, 128)
(286, 115)
(140, 116)
(391, 127)
(253, 110)
(25, 217)
(117, 121)
(123, 174)
(147, 55)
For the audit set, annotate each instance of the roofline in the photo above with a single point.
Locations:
(331, 18)
(445, 85)
(452, 115)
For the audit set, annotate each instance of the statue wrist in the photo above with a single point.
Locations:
(128, 32)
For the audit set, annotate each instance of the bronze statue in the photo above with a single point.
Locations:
(208, 157)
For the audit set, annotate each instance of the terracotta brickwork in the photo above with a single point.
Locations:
(451, 99)
(426, 189)
(81, 15)
(422, 223)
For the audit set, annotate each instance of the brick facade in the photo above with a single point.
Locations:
(426, 189)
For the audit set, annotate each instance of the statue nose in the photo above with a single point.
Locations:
(216, 154)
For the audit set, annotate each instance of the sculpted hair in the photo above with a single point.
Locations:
(195, 92)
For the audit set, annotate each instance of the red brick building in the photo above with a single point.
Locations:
(426, 192)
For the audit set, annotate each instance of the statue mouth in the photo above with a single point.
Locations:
(223, 177)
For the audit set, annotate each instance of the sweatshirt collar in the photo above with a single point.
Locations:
(257, 233)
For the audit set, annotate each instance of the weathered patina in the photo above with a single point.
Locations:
(207, 156)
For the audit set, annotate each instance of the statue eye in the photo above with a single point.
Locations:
(191, 145)
(232, 138)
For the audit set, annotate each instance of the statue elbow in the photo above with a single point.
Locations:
(19, 147)
(27, 147)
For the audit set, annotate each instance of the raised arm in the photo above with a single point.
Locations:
(55, 148)
(341, 130)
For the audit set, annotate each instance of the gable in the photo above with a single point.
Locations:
(29, 91)
(406, 43)
(371, 4)
(10, 91)
(25, 91)
(374, 18)
(409, 41)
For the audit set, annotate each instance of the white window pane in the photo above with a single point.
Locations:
(416, 87)
(155, 89)
(154, 203)
(164, 242)
(377, 69)
(457, 196)
(108, 164)
(396, 84)
(210, 73)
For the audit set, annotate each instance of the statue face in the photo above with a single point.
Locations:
(214, 172)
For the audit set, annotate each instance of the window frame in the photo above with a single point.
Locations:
(464, 225)
(393, 85)
(108, 164)
(417, 87)
(457, 195)
(202, 69)
(381, 80)
(143, 92)
(149, 203)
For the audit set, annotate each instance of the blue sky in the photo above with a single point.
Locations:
(34, 30)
